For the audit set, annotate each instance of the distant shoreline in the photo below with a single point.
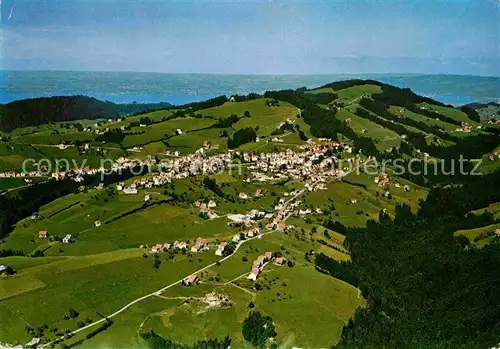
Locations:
(128, 87)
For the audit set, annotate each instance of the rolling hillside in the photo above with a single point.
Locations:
(37, 111)
(381, 259)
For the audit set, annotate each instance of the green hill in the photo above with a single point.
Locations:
(46, 110)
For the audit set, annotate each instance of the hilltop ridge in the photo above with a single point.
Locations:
(44, 110)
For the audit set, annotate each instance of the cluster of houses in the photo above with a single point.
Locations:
(200, 245)
(382, 181)
(261, 261)
(495, 155)
(178, 245)
(248, 234)
(43, 234)
(310, 166)
(13, 174)
(465, 128)
(208, 208)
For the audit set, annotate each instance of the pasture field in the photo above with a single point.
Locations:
(451, 113)
(124, 333)
(428, 136)
(370, 198)
(162, 130)
(479, 236)
(297, 309)
(266, 118)
(402, 112)
(487, 165)
(73, 214)
(493, 209)
(92, 285)
(53, 139)
(352, 94)
(126, 223)
(12, 156)
(321, 90)
(155, 116)
(57, 127)
(192, 141)
(382, 137)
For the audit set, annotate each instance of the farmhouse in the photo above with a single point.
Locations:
(2, 268)
(191, 280)
(280, 261)
(97, 223)
(212, 214)
(254, 273)
(157, 248)
(260, 261)
(42, 234)
(67, 239)
(201, 244)
(130, 190)
(34, 341)
(180, 245)
(220, 248)
(243, 196)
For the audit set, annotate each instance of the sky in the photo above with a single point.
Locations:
(253, 37)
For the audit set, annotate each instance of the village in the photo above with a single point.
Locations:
(301, 165)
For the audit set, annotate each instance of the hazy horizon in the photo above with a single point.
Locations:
(182, 88)
(250, 74)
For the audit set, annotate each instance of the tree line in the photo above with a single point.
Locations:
(425, 287)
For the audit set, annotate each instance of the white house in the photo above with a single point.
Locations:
(129, 190)
(180, 245)
(67, 239)
(212, 214)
